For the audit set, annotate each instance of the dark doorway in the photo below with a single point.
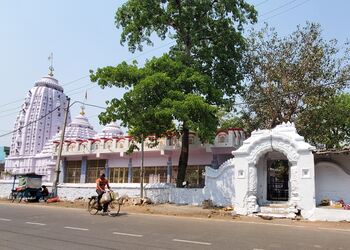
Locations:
(277, 180)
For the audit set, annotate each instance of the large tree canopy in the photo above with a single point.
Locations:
(287, 77)
(204, 67)
(328, 125)
(156, 99)
(207, 34)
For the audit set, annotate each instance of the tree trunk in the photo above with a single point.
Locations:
(183, 161)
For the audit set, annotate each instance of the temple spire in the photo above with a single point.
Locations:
(82, 112)
(51, 69)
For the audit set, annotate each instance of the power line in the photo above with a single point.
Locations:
(6, 104)
(286, 94)
(4, 111)
(262, 2)
(16, 108)
(26, 125)
(81, 87)
(30, 123)
(92, 87)
(86, 76)
(280, 13)
(146, 52)
(280, 7)
(76, 80)
(9, 114)
(87, 104)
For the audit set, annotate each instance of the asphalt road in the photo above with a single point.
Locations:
(34, 227)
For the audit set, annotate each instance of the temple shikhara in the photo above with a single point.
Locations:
(270, 172)
(46, 100)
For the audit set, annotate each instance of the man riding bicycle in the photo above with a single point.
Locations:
(101, 184)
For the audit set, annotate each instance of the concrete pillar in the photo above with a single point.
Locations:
(241, 186)
(83, 169)
(62, 170)
(130, 170)
(293, 182)
(214, 162)
(251, 200)
(107, 169)
(169, 170)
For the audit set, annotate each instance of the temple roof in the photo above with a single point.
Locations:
(110, 130)
(79, 128)
(49, 81)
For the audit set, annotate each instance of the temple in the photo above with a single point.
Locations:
(274, 171)
(39, 119)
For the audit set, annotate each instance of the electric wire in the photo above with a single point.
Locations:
(86, 76)
(287, 10)
(30, 123)
(4, 111)
(171, 42)
(50, 112)
(262, 2)
(279, 7)
(97, 106)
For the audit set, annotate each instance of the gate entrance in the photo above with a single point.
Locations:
(277, 180)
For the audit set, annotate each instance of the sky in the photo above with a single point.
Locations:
(82, 35)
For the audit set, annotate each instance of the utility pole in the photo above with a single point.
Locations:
(60, 147)
(141, 169)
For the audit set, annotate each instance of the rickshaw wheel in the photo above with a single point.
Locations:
(93, 207)
(113, 208)
(12, 197)
(20, 197)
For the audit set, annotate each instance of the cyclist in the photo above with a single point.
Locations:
(101, 184)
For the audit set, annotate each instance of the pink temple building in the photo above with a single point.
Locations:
(87, 153)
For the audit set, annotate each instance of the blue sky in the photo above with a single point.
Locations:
(82, 36)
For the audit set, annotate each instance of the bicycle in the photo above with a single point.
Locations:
(15, 195)
(113, 206)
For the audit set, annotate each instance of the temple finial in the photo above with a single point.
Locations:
(51, 69)
(82, 112)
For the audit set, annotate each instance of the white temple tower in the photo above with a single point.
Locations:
(40, 118)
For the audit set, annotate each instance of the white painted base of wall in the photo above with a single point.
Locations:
(326, 214)
(158, 193)
(163, 193)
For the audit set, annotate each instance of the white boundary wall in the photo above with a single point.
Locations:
(158, 193)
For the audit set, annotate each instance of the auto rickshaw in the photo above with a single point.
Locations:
(29, 187)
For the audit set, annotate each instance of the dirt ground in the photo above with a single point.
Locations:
(193, 212)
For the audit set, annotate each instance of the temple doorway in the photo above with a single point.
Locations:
(277, 180)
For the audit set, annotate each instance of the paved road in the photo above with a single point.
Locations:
(34, 227)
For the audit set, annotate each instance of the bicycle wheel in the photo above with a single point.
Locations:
(20, 196)
(93, 207)
(114, 208)
(12, 196)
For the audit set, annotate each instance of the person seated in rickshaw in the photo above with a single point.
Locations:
(20, 189)
(44, 193)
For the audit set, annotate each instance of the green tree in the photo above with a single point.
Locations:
(209, 45)
(156, 101)
(329, 123)
(288, 76)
